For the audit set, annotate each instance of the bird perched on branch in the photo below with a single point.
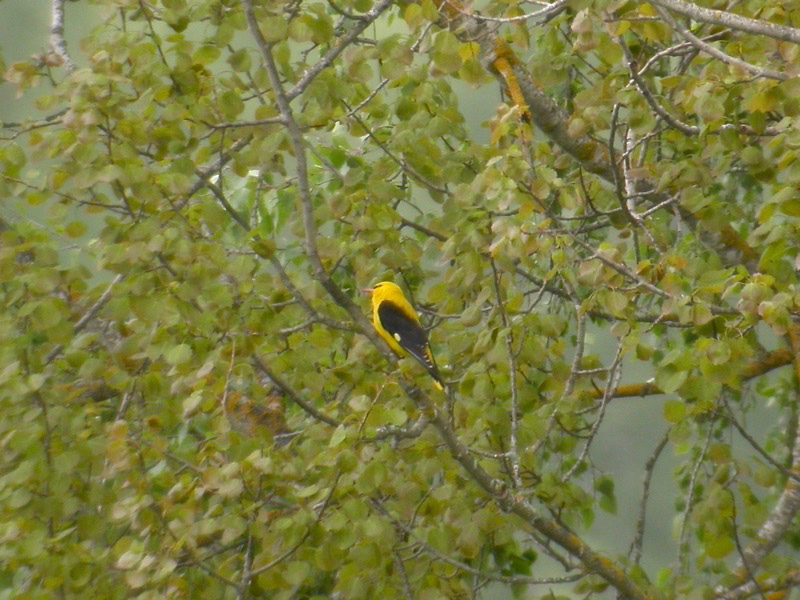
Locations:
(397, 322)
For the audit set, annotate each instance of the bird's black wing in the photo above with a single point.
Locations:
(409, 334)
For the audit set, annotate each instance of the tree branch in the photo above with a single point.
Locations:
(86, 319)
(57, 41)
(291, 393)
(788, 505)
(341, 44)
(512, 579)
(508, 502)
(731, 21)
(715, 52)
(513, 450)
(773, 360)
(553, 121)
(298, 146)
(638, 540)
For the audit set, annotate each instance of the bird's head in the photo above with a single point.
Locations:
(380, 290)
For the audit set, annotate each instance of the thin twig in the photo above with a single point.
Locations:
(368, 99)
(291, 393)
(549, 12)
(513, 579)
(690, 500)
(247, 576)
(228, 379)
(400, 163)
(85, 319)
(613, 380)
(256, 123)
(513, 450)
(677, 49)
(203, 175)
(637, 79)
(401, 569)
(225, 204)
(423, 229)
(621, 269)
(757, 447)
(407, 432)
(649, 467)
(580, 339)
(338, 47)
(294, 548)
(315, 317)
(779, 520)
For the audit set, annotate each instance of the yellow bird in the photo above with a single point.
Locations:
(397, 322)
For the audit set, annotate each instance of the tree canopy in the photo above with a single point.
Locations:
(195, 403)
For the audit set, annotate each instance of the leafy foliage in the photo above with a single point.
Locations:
(194, 403)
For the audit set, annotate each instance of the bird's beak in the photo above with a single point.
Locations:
(367, 291)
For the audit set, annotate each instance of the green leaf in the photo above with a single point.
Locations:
(13, 155)
(608, 500)
(446, 52)
(274, 29)
(296, 572)
(670, 378)
(718, 546)
(207, 54)
(674, 411)
(231, 104)
(339, 435)
(178, 355)
(75, 229)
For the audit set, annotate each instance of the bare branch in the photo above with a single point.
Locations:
(636, 77)
(715, 52)
(423, 229)
(291, 393)
(621, 269)
(512, 369)
(752, 588)
(294, 548)
(368, 99)
(677, 50)
(257, 123)
(788, 505)
(765, 364)
(550, 11)
(315, 317)
(86, 318)
(225, 204)
(304, 190)
(649, 467)
(401, 569)
(613, 380)
(683, 543)
(203, 175)
(57, 42)
(407, 432)
(731, 21)
(512, 579)
(326, 61)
